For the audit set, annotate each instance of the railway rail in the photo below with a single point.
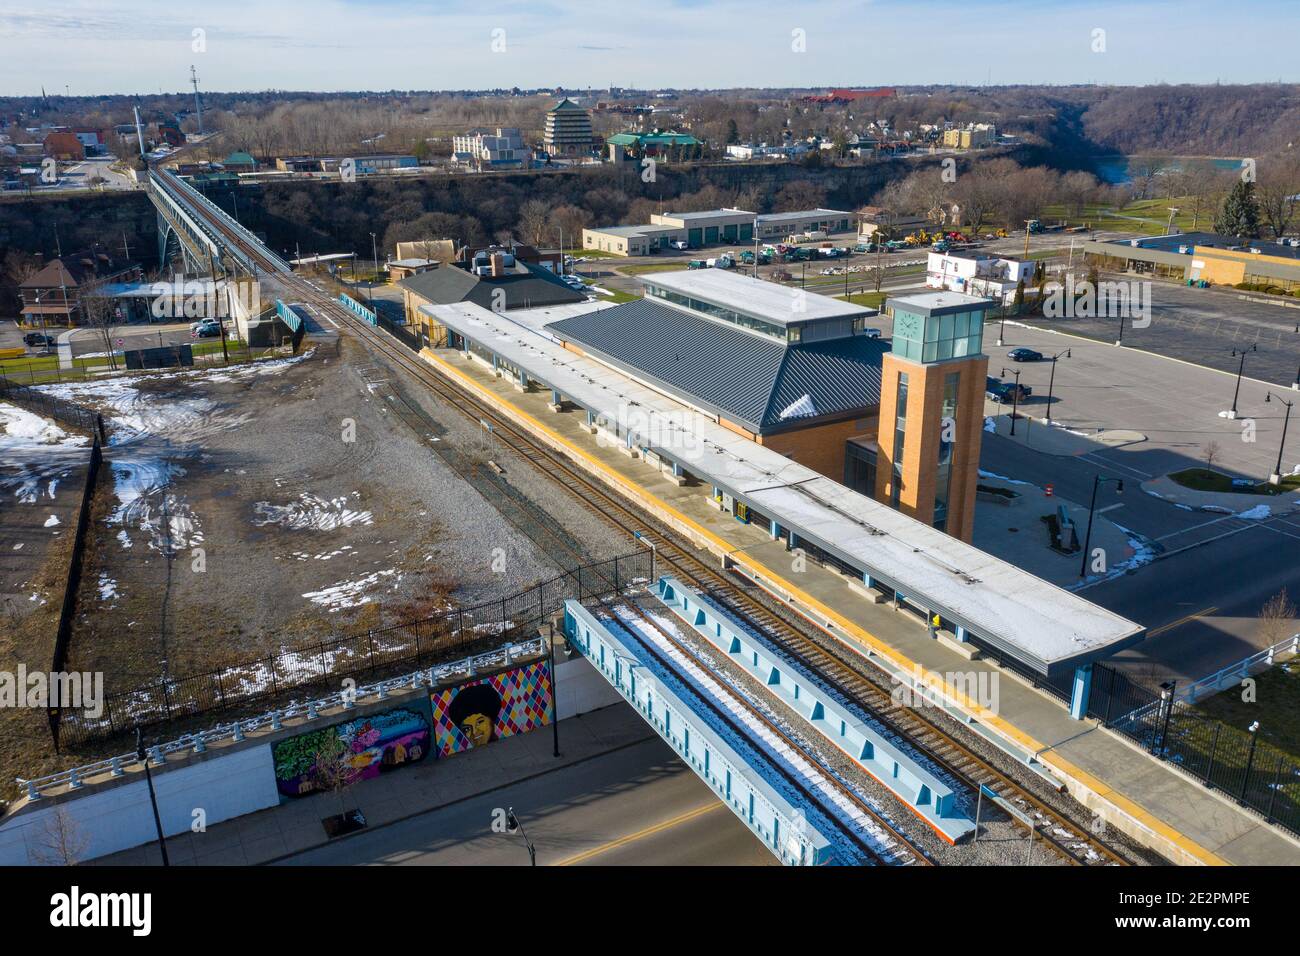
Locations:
(910, 853)
(843, 669)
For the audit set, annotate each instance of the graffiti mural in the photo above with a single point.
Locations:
(365, 747)
(476, 713)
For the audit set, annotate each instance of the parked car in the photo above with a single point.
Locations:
(206, 329)
(678, 244)
(871, 333)
(1025, 355)
(1002, 392)
(33, 339)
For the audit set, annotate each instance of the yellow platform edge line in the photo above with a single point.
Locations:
(1098, 787)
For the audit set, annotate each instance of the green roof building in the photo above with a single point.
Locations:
(669, 145)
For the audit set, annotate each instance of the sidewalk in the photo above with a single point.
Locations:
(1222, 502)
(1130, 789)
(1054, 438)
(295, 826)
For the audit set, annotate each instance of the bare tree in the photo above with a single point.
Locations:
(534, 216)
(59, 840)
(1277, 193)
(1277, 619)
(1210, 453)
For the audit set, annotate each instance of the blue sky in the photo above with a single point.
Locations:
(145, 45)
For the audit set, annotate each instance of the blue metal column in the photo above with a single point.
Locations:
(866, 579)
(555, 396)
(677, 470)
(1079, 694)
(960, 634)
(773, 528)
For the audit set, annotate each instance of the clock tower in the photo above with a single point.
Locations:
(932, 409)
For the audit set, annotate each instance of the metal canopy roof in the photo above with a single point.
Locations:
(770, 301)
(1044, 626)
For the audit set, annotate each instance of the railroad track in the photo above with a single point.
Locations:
(842, 668)
(909, 854)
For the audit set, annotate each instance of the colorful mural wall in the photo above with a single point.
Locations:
(364, 748)
(480, 711)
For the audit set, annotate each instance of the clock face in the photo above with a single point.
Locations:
(907, 326)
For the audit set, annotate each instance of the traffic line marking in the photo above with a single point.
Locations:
(640, 834)
(1154, 632)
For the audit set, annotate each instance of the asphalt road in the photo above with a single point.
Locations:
(638, 806)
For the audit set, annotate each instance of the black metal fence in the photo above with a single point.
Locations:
(374, 653)
(1233, 760)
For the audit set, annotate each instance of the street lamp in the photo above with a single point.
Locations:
(374, 251)
(513, 825)
(1241, 367)
(1051, 381)
(1173, 211)
(1015, 397)
(1097, 482)
(1250, 760)
(143, 757)
(1276, 477)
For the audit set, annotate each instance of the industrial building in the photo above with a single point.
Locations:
(712, 227)
(1196, 256)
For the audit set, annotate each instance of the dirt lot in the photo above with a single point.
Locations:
(256, 509)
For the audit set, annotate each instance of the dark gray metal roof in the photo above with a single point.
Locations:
(741, 376)
(528, 287)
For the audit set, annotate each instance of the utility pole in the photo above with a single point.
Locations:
(198, 107)
(139, 132)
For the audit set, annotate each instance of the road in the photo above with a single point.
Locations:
(639, 806)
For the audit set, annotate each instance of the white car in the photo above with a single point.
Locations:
(678, 244)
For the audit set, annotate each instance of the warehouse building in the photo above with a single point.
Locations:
(1203, 256)
(711, 227)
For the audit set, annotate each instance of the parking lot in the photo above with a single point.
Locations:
(1204, 326)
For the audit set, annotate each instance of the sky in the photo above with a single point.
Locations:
(141, 46)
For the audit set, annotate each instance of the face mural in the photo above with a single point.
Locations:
(365, 748)
(504, 704)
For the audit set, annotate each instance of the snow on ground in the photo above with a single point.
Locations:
(20, 428)
(354, 593)
(35, 453)
(107, 587)
(52, 521)
(311, 512)
(1257, 513)
(990, 474)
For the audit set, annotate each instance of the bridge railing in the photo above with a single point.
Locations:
(357, 308)
(208, 207)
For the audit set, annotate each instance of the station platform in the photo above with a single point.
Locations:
(1126, 787)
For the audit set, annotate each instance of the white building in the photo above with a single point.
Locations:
(481, 149)
(978, 275)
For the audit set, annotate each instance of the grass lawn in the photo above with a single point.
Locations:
(636, 270)
(1205, 479)
(872, 300)
(45, 368)
(1146, 216)
(617, 296)
(1276, 706)
(595, 254)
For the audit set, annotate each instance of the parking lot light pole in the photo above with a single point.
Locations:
(1241, 367)
(1015, 397)
(1250, 761)
(1097, 482)
(513, 825)
(1276, 477)
(1051, 381)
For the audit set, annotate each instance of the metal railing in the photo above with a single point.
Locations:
(1235, 673)
(198, 742)
(408, 644)
(60, 409)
